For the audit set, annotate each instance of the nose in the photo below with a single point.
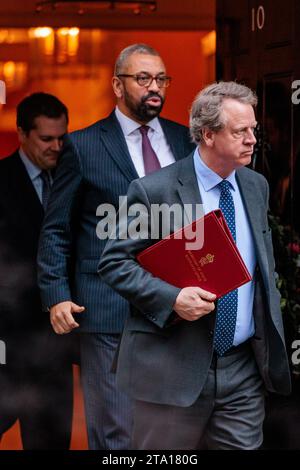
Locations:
(153, 86)
(56, 145)
(250, 137)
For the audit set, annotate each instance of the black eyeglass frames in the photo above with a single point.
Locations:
(162, 81)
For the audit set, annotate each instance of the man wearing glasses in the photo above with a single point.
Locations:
(96, 167)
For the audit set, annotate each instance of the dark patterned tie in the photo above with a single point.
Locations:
(46, 187)
(227, 305)
(151, 162)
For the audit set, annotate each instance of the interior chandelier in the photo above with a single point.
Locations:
(85, 5)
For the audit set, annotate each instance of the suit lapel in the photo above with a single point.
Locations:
(187, 187)
(20, 199)
(174, 139)
(115, 143)
(27, 194)
(251, 203)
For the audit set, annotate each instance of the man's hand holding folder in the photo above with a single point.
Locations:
(193, 302)
(204, 273)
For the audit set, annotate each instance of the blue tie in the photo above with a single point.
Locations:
(227, 305)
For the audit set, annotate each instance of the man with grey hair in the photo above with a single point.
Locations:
(96, 167)
(199, 382)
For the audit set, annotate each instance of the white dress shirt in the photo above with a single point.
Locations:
(133, 139)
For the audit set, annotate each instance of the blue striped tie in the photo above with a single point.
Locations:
(227, 305)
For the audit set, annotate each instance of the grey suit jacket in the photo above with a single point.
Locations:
(167, 363)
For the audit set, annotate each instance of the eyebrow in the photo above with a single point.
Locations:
(244, 127)
(45, 136)
(148, 73)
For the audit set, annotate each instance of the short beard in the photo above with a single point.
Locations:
(143, 111)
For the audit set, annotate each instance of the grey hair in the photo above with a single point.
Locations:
(130, 50)
(206, 110)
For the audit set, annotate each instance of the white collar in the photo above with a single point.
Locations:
(128, 125)
(32, 169)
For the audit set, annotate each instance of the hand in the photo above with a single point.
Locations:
(193, 303)
(61, 317)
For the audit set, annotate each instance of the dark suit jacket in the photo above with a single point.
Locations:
(167, 363)
(95, 168)
(23, 325)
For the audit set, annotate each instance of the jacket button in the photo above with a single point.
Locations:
(211, 333)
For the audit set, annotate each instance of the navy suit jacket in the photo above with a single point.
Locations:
(95, 168)
(21, 216)
(29, 338)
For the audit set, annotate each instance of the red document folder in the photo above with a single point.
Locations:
(216, 267)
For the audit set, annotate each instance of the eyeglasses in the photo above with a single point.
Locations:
(162, 81)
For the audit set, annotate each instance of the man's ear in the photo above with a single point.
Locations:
(208, 137)
(117, 87)
(21, 135)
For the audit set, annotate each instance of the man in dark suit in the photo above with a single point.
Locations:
(36, 380)
(96, 167)
(200, 382)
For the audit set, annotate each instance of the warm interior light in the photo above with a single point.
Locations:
(68, 43)
(63, 31)
(9, 70)
(46, 35)
(42, 32)
(73, 42)
(3, 35)
(49, 44)
(13, 36)
(73, 31)
(209, 43)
